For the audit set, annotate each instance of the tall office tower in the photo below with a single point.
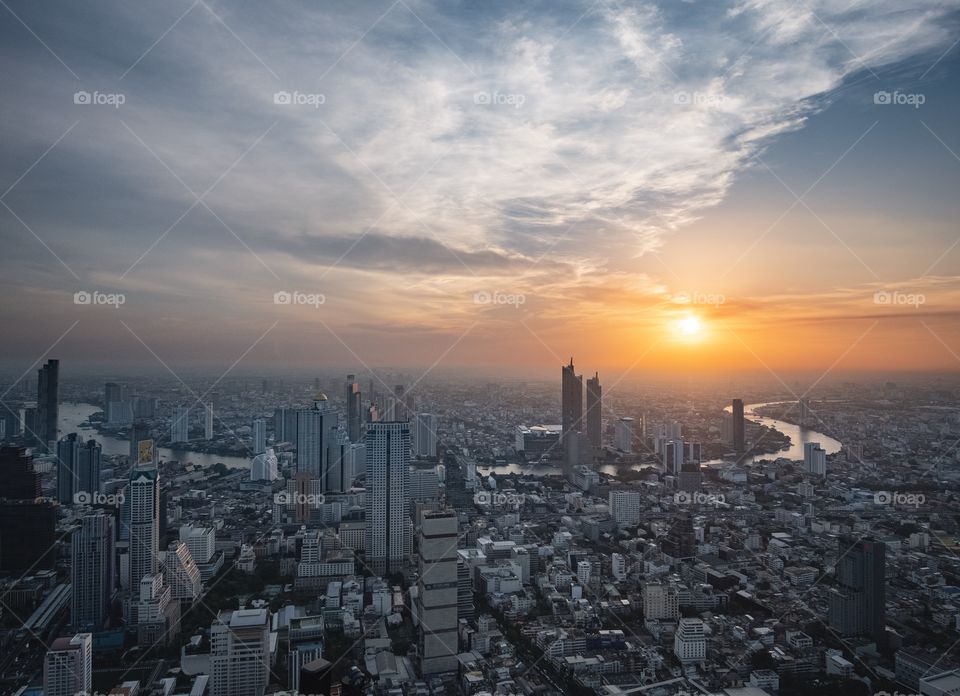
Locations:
(353, 408)
(388, 495)
(92, 572)
(68, 666)
(571, 406)
(314, 436)
(425, 440)
(465, 608)
(672, 452)
(690, 641)
(240, 653)
(112, 394)
(814, 458)
(284, 425)
(180, 426)
(144, 493)
(18, 479)
(694, 452)
(858, 603)
(690, 478)
(625, 507)
(399, 404)
(180, 572)
(68, 459)
(584, 571)
(738, 441)
(336, 477)
(437, 598)
(623, 435)
(88, 468)
(595, 412)
(48, 404)
(28, 536)
(804, 408)
(259, 436)
(208, 422)
(200, 541)
(357, 459)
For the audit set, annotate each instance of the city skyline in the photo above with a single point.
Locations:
(447, 180)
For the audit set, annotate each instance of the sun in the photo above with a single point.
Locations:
(689, 327)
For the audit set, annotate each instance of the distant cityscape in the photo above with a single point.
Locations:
(327, 535)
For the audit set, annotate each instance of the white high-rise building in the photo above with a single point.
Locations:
(208, 422)
(584, 570)
(661, 602)
(240, 653)
(259, 430)
(92, 571)
(425, 440)
(388, 496)
(690, 641)
(618, 566)
(180, 426)
(625, 507)
(437, 592)
(144, 496)
(201, 542)
(814, 458)
(68, 666)
(180, 572)
(264, 466)
(623, 435)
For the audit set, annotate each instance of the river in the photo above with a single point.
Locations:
(73, 414)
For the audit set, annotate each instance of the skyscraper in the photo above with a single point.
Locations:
(624, 435)
(388, 495)
(208, 422)
(68, 460)
(425, 441)
(92, 572)
(88, 468)
(571, 406)
(240, 653)
(858, 603)
(144, 496)
(594, 412)
(437, 596)
(180, 573)
(142, 446)
(18, 479)
(180, 426)
(259, 429)
(353, 408)
(738, 436)
(314, 437)
(48, 404)
(68, 666)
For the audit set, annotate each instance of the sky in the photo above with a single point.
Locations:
(699, 187)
